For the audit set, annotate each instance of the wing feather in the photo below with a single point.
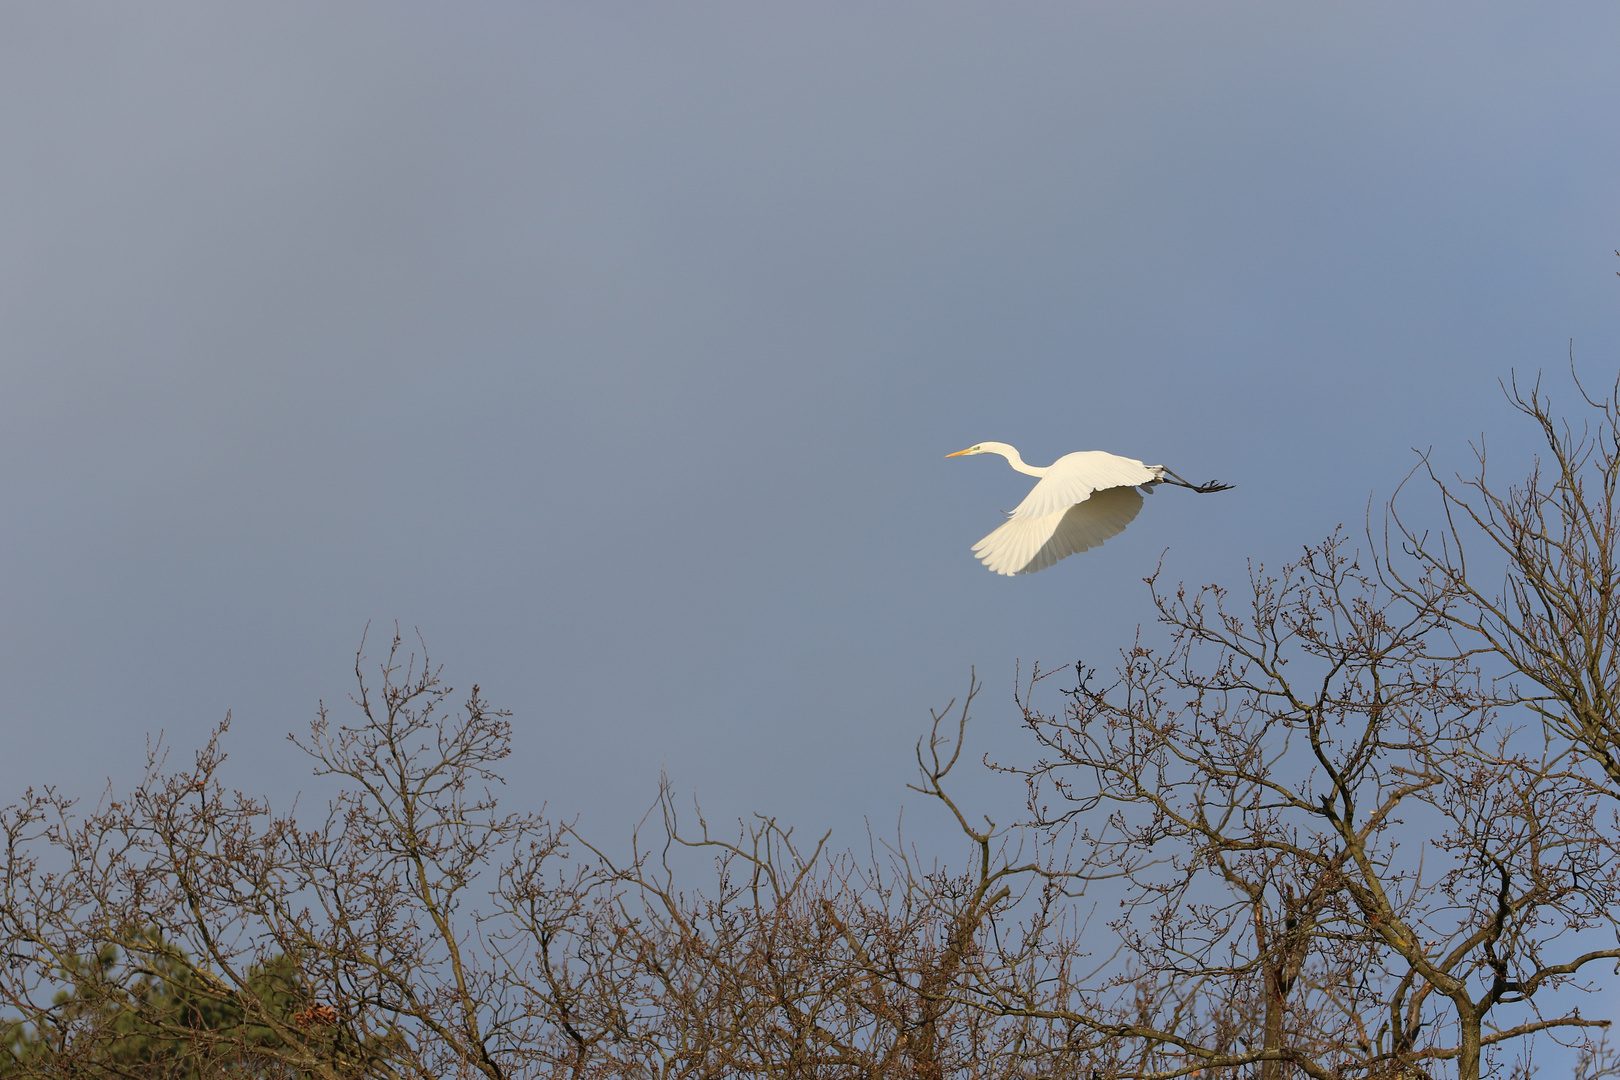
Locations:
(1023, 545)
(1073, 477)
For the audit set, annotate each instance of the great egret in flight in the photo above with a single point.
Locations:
(1082, 500)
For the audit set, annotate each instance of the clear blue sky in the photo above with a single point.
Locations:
(618, 346)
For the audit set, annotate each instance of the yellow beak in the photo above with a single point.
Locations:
(959, 453)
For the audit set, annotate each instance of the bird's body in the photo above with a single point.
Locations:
(1082, 499)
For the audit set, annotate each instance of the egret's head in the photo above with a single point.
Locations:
(977, 448)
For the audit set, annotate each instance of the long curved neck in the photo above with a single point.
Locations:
(1018, 463)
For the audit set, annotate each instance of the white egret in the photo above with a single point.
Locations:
(1082, 500)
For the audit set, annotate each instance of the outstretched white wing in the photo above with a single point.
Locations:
(1025, 544)
(1073, 477)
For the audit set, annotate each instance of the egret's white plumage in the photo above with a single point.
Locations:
(1082, 499)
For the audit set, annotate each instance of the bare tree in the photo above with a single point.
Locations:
(1530, 570)
(1335, 855)
(793, 961)
(362, 912)
(347, 944)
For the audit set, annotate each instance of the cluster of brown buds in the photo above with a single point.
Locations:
(324, 1015)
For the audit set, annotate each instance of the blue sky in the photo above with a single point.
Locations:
(617, 348)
